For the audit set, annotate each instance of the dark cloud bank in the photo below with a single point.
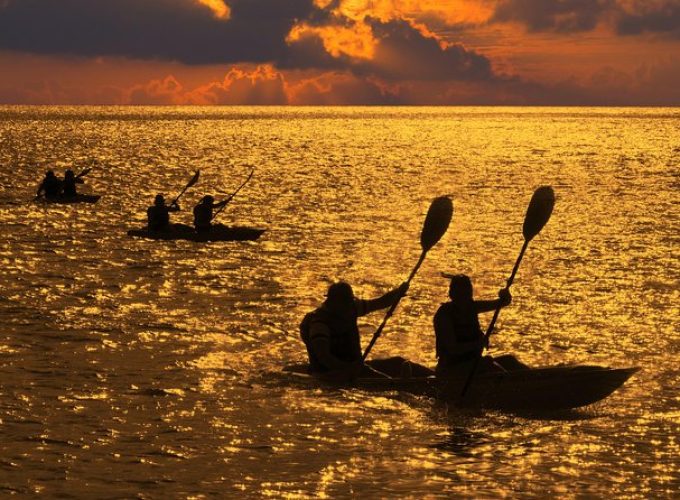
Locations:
(184, 31)
(573, 16)
(178, 30)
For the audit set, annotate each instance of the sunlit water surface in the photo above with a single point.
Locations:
(132, 367)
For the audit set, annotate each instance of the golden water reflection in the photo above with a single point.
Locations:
(136, 368)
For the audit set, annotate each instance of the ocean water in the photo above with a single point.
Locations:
(135, 368)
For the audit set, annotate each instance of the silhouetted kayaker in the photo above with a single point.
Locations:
(203, 212)
(70, 181)
(458, 334)
(158, 215)
(51, 186)
(331, 335)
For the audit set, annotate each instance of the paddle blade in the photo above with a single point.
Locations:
(436, 222)
(194, 179)
(538, 213)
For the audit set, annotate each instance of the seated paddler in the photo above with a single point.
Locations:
(158, 215)
(50, 186)
(203, 212)
(459, 337)
(331, 334)
(70, 181)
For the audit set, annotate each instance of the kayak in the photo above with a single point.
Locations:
(536, 389)
(79, 198)
(218, 232)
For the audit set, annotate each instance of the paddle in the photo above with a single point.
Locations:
(538, 213)
(84, 172)
(193, 181)
(436, 223)
(232, 195)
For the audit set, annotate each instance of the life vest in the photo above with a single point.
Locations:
(203, 215)
(70, 187)
(158, 217)
(344, 336)
(465, 327)
(52, 187)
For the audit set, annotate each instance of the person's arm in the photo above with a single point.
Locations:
(174, 207)
(41, 188)
(444, 332)
(504, 299)
(385, 301)
(78, 180)
(221, 203)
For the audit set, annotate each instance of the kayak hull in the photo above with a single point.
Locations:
(536, 389)
(188, 233)
(69, 200)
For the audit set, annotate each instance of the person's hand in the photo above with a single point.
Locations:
(504, 296)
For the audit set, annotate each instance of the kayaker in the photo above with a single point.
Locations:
(458, 334)
(158, 215)
(70, 181)
(203, 212)
(331, 335)
(51, 186)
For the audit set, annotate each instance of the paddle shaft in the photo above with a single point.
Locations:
(492, 324)
(84, 172)
(193, 181)
(233, 194)
(179, 195)
(392, 308)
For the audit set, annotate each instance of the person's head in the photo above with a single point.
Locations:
(69, 174)
(460, 288)
(207, 200)
(49, 173)
(340, 297)
(159, 200)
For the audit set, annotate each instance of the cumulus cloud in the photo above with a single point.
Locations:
(341, 88)
(403, 52)
(391, 50)
(157, 92)
(264, 85)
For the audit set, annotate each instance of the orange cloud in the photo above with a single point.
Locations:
(356, 41)
(263, 85)
(351, 33)
(416, 11)
(155, 92)
(219, 8)
(642, 80)
(339, 88)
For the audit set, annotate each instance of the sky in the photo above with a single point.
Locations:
(340, 52)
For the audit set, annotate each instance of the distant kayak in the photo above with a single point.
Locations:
(79, 198)
(218, 232)
(536, 389)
